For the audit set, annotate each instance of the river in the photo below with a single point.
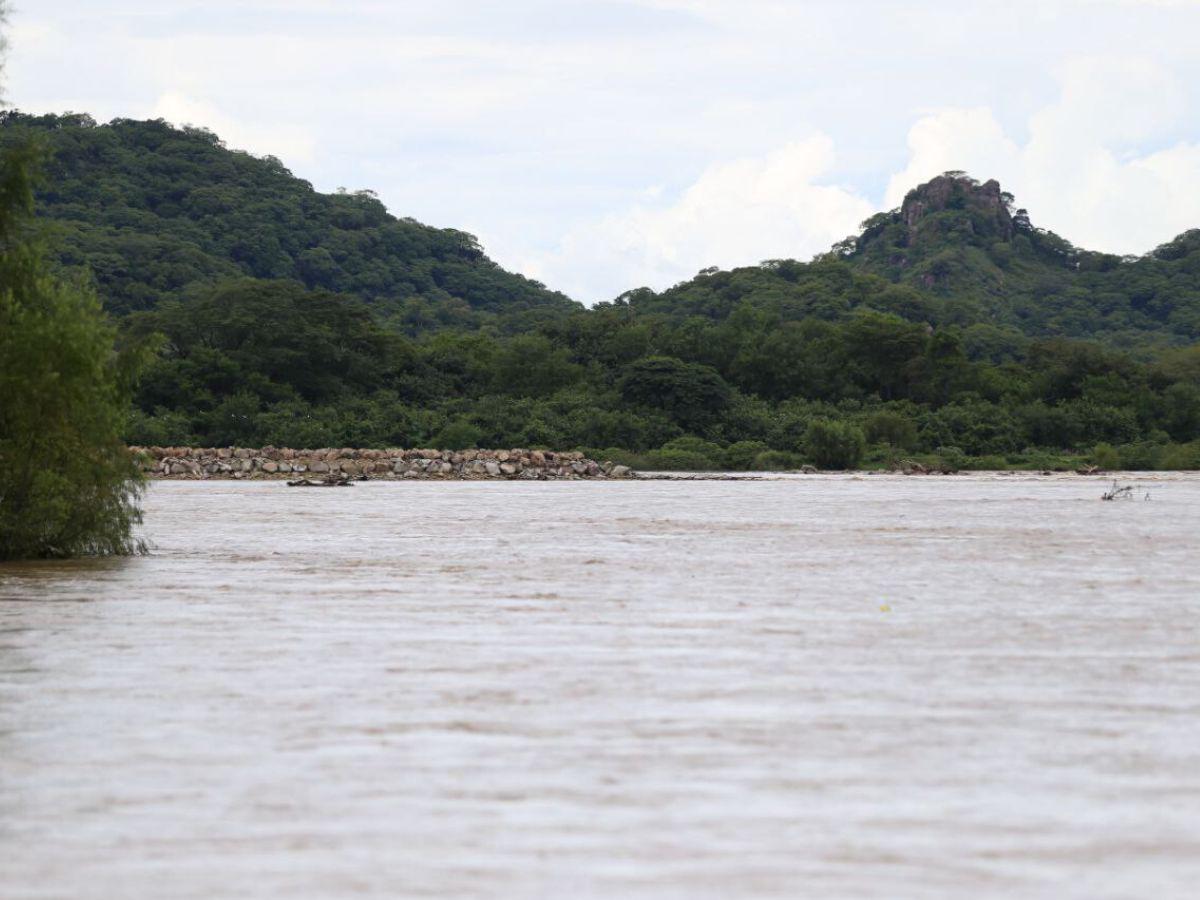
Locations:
(821, 686)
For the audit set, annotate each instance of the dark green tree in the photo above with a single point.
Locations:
(692, 394)
(68, 486)
(834, 445)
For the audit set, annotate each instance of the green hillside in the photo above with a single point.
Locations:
(154, 211)
(950, 329)
(958, 253)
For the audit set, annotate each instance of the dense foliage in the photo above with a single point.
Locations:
(256, 362)
(150, 209)
(956, 253)
(950, 329)
(67, 485)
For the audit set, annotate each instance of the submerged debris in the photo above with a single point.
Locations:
(1119, 492)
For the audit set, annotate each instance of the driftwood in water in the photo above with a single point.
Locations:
(1119, 492)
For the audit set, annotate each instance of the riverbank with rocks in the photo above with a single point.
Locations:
(193, 463)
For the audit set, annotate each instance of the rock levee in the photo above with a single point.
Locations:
(274, 462)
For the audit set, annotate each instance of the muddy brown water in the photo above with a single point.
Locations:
(835, 686)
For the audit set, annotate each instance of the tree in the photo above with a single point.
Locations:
(892, 428)
(885, 347)
(68, 485)
(692, 394)
(834, 445)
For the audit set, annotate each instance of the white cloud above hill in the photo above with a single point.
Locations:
(1081, 170)
(604, 144)
(736, 212)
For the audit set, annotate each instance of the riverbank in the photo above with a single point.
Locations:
(192, 463)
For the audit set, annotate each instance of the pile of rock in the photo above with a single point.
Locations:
(912, 467)
(273, 462)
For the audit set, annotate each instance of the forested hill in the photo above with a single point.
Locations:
(958, 253)
(155, 211)
(292, 318)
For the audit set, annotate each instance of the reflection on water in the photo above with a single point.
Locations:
(822, 686)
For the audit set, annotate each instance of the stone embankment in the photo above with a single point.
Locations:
(271, 462)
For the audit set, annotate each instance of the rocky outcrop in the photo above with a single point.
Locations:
(958, 191)
(273, 462)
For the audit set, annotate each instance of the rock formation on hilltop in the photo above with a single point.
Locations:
(955, 191)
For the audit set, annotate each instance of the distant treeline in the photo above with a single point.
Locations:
(950, 328)
(254, 362)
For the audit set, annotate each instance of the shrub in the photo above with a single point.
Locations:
(458, 435)
(1144, 456)
(951, 458)
(887, 427)
(740, 457)
(975, 426)
(678, 461)
(1181, 457)
(1105, 456)
(165, 428)
(834, 445)
(691, 444)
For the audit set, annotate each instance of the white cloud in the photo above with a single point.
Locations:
(1075, 172)
(534, 119)
(735, 213)
(1079, 172)
(969, 139)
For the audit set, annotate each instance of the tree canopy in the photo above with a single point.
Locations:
(151, 210)
(67, 484)
(950, 327)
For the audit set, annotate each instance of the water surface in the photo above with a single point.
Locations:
(854, 686)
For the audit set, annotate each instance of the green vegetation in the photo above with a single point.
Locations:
(256, 362)
(835, 445)
(68, 486)
(957, 254)
(950, 332)
(150, 210)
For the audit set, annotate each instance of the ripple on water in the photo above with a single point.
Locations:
(840, 686)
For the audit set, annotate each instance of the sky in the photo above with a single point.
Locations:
(603, 145)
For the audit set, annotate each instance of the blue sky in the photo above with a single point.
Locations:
(602, 145)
